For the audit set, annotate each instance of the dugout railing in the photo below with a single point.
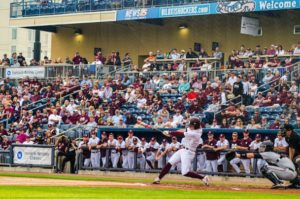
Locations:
(136, 167)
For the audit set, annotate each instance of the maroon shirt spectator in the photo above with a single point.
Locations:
(276, 124)
(195, 107)
(5, 143)
(77, 59)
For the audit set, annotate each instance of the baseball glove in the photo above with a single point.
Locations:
(166, 133)
(230, 155)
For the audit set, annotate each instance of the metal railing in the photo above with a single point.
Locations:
(140, 163)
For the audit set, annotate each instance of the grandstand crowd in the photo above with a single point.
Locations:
(264, 95)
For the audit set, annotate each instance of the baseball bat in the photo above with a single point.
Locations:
(149, 126)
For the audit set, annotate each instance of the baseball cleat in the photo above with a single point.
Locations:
(156, 180)
(278, 186)
(205, 180)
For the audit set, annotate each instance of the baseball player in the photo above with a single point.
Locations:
(222, 145)
(114, 155)
(143, 146)
(95, 154)
(128, 142)
(187, 154)
(201, 157)
(254, 146)
(243, 144)
(173, 147)
(135, 150)
(120, 148)
(102, 145)
(151, 151)
(84, 150)
(276, 168)
(211, 156)
(162, 151)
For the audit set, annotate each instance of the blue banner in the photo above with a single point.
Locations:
(220, 7)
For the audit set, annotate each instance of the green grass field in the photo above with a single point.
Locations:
(130, 193)
(118, 193)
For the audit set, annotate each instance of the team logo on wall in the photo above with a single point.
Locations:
(235, 6)
(136, 13)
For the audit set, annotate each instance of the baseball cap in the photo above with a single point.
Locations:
(135, 139)
(139, 118)
(246, 131)
(164, 140)
(143, 139)
(153, 139)
(93, 132)
(210, 133)
(103, 133)
(85, 135)
(130, 131)
(222, 135)
(258, 136)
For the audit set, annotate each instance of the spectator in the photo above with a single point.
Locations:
(77, 59)
(127, 61)
(191, 54)
(280, 145)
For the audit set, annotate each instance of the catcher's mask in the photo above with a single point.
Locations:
(266, 146)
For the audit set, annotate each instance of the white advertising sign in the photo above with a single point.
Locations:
(250, 26)
(32, 155)
(16, 73)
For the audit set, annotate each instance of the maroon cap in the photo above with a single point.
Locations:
(130, 131)
(222, 135)
(164, 140)
(210, 133)
(258, 136)
(135, 139)
(153, 139)
(93, 132)
(143, 139)
(103, 133)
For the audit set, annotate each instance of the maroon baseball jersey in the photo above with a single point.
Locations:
(234, 144)
(245, 142)
(211, 155)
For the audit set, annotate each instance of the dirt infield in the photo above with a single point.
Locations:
(218, 184)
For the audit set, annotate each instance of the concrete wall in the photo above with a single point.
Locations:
(139, 38)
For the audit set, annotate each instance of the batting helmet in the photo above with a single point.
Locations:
(195, 122)
(266, 146)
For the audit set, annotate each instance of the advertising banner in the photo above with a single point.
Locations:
(33, 155)
(220, 7)
(17, 73)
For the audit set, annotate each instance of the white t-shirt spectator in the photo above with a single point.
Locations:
(52, 118)
(178, 119)
(140, 102)
(280, 143)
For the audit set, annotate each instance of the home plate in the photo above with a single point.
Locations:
(236, 189)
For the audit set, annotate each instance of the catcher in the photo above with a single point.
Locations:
(277, 168)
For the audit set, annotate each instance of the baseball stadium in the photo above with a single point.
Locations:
(150, 99)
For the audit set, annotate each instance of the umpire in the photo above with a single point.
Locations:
(293, 139)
